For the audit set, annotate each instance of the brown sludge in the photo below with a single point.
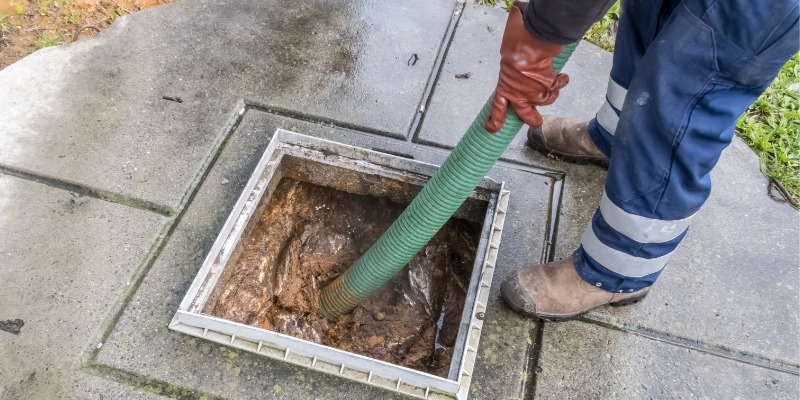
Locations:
(310, 234)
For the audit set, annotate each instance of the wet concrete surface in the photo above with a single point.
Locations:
(68, 385)
(588, 361)
(475, 50)
(65, 261)
(93, 112)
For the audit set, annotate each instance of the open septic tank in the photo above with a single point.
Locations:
(309, 210)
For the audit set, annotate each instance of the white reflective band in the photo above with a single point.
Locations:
(607, 118)
(619, 262)
(616, 94)
(641, 229)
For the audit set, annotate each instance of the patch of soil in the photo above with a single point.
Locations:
(28, 25)
(307, 236)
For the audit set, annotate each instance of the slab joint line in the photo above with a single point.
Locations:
(551, 228)
(87, 191)
(436, 72)
(533, 360)
(147, 384)
(324, 121)
(701, 347)
(389, 136)
(90, 355)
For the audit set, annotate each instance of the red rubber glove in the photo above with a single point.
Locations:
(527, 78)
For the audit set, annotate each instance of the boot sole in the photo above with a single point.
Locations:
(535, 144)
(563, 318)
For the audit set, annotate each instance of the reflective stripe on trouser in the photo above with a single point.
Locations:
(605, 123)
(683, 71)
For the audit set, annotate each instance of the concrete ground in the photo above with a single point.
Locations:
(111, 194)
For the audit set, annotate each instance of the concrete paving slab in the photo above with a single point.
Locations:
(64, 262)
(80, 386)
(580, 360)
(734, 282)
(142, 345)
(475, 50)
(96, 112)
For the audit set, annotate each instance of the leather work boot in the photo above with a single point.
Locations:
(566, 140)
(555, 292)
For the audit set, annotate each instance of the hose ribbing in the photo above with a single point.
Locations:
(560, 60)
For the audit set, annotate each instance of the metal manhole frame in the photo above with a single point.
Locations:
(190, 320)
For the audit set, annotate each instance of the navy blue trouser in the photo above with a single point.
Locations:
(683, 72)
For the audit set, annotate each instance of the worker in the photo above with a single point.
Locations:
(683, 71)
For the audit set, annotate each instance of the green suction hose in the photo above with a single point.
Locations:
(560, 60)
(465, 167)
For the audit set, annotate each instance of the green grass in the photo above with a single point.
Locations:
(604, 31)
(491, 3)
(5, 25)
(74, 17)
(47, 40)
(112, 13)
(44, 7)
(771, 127)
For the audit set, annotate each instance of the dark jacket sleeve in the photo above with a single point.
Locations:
(563, 21)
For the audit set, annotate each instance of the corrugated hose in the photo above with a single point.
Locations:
(465, 167)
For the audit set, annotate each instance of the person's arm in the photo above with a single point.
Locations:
(563, 22)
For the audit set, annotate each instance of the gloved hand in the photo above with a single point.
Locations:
(527, 78)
